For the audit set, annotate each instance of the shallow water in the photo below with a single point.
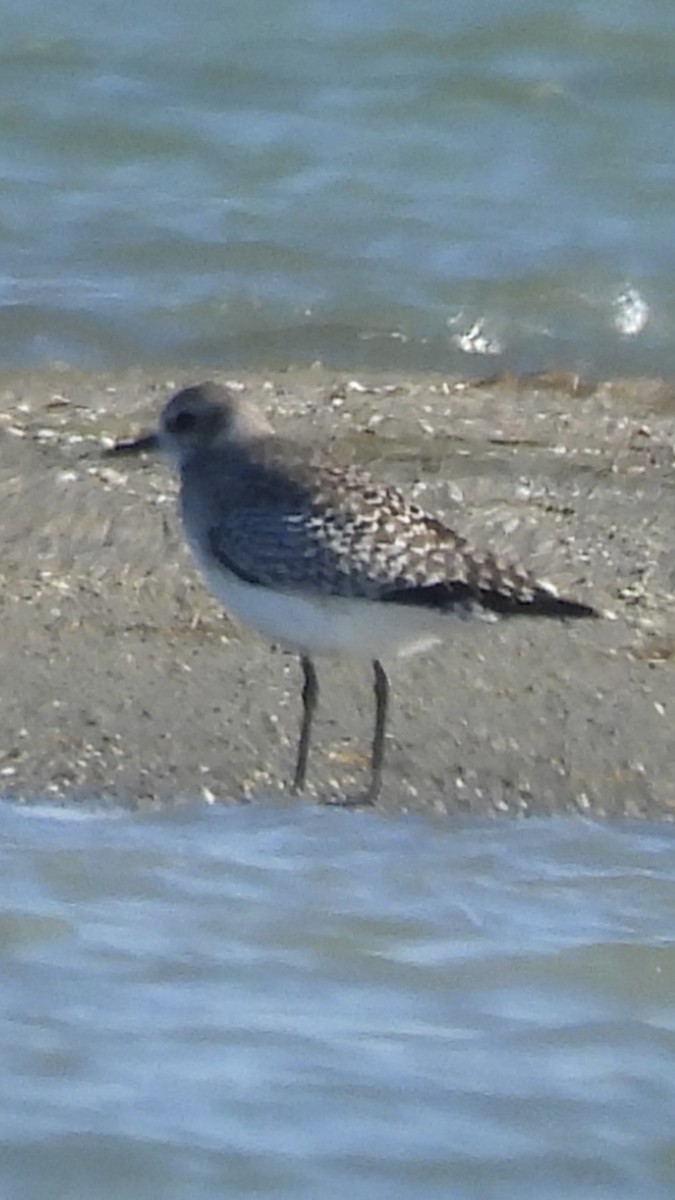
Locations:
(430, 184)
(293, 1003)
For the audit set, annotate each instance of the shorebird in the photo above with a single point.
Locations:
(321, 558)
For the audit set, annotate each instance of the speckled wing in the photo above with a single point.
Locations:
(344, 535)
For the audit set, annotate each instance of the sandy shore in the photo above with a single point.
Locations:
(123, 681)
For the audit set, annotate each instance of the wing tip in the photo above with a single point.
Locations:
(528, 599)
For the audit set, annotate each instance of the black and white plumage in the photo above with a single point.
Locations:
(321, 558)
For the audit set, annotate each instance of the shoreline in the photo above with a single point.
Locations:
(123, 680)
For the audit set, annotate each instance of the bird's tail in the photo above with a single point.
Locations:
(537, 601)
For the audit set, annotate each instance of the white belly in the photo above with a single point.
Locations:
(319, 625)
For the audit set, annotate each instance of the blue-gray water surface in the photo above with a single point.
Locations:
(306, 1003)
(432, 184)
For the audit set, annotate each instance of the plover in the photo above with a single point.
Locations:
(322, 558)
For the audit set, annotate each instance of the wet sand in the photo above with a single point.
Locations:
(123, 681)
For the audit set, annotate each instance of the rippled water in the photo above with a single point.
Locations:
(431, 184)
(295, 1003)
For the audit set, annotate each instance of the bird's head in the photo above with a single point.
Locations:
(200, 418)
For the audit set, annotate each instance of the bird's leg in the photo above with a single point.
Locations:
(310, 696)
(377, 754)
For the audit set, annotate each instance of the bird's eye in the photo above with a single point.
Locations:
(182, 422)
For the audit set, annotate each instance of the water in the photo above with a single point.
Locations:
(437, 184)
(301, 1003)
